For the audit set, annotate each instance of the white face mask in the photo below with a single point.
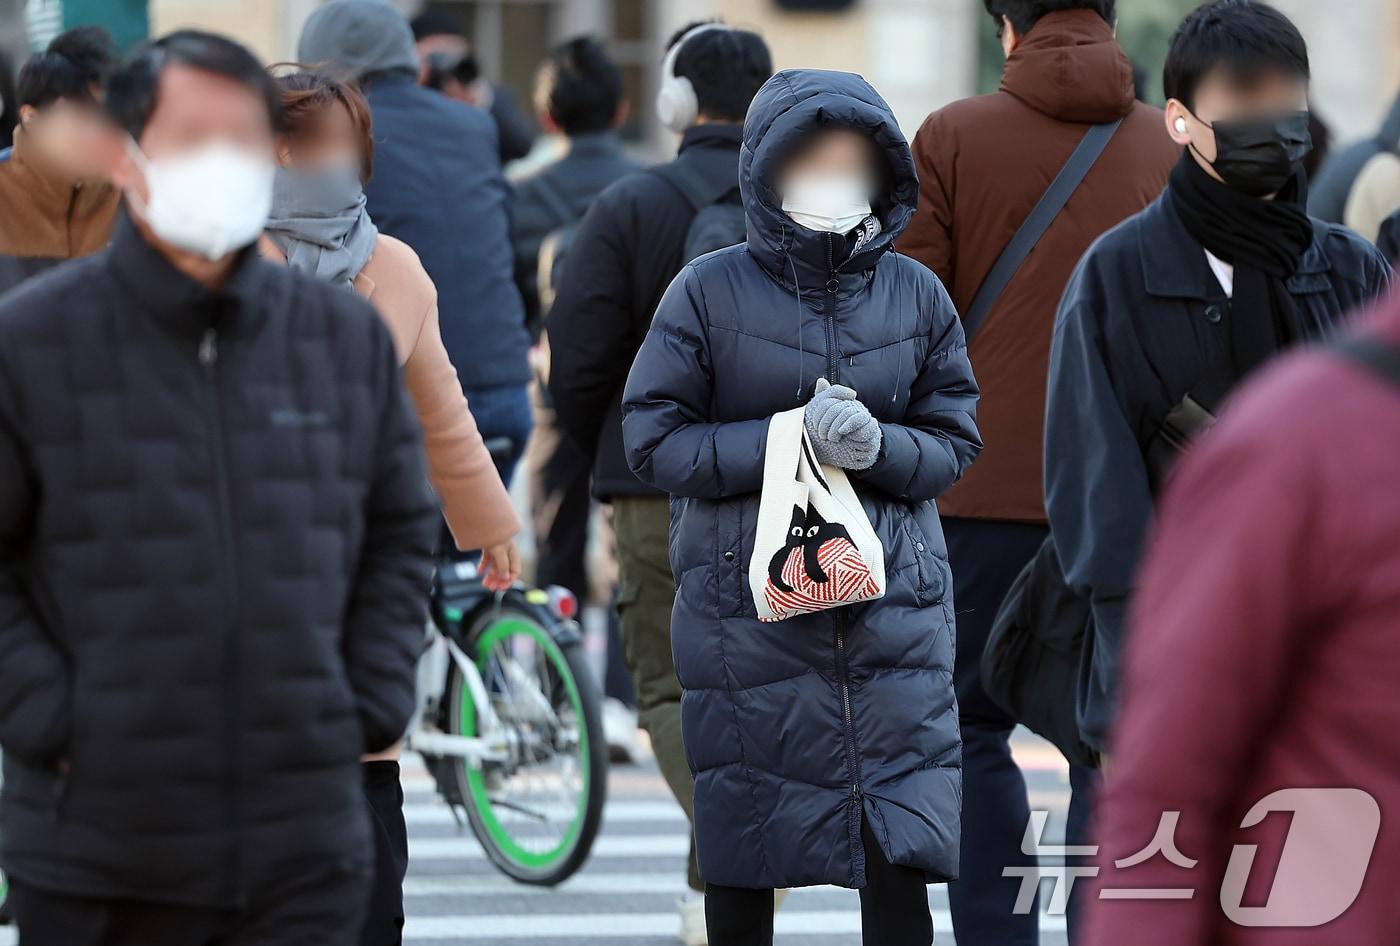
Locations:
(835, 203)
(211, 201)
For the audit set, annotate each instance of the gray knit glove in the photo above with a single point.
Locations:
(841, 429)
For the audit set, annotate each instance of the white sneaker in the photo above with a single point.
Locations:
(693, 931)
(620, 730)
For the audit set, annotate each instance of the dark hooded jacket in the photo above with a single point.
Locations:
(1327, 196)
(799, 729)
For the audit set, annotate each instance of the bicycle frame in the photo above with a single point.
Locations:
(492, 745)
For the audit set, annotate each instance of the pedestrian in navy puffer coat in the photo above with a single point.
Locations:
(806, 734)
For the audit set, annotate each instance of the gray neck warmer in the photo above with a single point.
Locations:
(319, 221)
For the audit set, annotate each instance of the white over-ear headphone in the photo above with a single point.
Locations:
(676, 104)
(1180, 125)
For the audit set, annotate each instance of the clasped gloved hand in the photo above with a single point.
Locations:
(841, 428)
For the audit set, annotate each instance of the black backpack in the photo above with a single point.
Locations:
(719, 211)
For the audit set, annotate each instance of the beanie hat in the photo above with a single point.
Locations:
(353, 38)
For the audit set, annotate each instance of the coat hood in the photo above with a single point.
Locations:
(1071, 68)
(354, 38)
(791, 105)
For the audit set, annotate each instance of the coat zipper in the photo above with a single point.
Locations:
(852, 759)
(833, 368)
(73, 194)
(833, 360)
(209, 360)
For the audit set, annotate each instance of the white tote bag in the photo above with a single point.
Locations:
(814, 547)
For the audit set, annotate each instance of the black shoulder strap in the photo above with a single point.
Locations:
(1375, 355)
(698, 192)
(1035, 225)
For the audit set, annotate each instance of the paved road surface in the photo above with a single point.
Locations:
(626, 894)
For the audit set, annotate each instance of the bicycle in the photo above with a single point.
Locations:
(493, 722)
(510, 723)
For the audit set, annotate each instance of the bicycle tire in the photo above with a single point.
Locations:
(557, 865)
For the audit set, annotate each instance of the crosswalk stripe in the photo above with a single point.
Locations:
(590, 883)
(614, 812)
(439, 849)
(619, 927)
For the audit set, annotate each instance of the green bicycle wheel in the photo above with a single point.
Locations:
(536, 814)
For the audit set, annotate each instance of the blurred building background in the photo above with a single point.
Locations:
(919, 53)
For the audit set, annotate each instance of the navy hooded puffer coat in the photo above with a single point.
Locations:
(796, 730)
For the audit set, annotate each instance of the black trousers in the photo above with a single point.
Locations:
(893, 907)
(383, 924)
(986, 557)
(315, 907)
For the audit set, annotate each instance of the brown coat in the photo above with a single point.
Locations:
(983, 164)
(474, 501)
(47, 214)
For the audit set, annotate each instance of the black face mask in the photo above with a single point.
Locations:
(1258, 156)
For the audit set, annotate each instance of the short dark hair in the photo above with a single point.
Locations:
(727, 68)
(75, 64)
(579, 86)
(1246, 38)
(132, 88)
(434, 23)
(306, 94)
(1024, 14)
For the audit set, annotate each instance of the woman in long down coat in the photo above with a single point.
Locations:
(825, 747)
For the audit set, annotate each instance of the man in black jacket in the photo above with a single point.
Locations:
(626, 251)
(579, 96)
(215, 548)
(1169, 310)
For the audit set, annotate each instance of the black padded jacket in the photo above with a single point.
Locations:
(215, 549)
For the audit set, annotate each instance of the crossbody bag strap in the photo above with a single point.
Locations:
(699, 192)
(1041, 216)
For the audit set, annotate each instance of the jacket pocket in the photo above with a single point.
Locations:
(734, 542)
(931, 572)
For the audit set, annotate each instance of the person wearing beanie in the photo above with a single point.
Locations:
(438, 187)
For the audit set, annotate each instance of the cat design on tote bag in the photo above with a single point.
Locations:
(826, 554)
